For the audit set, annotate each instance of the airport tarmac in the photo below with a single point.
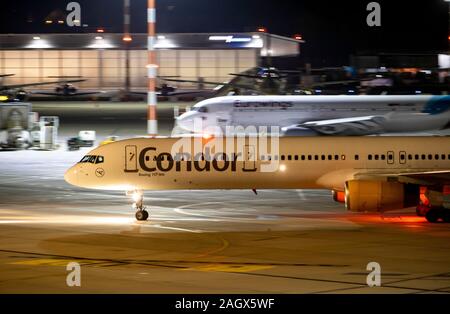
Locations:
(279, 241)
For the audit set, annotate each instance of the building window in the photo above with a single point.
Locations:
(343, 157)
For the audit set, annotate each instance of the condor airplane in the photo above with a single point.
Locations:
(368, 174)
(320, 115)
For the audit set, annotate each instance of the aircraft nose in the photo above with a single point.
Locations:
(71, 175)
(186, 123)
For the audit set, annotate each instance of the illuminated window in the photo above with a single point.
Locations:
(343, 157)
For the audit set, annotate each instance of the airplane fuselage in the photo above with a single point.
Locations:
(383, 114)
(246, 163)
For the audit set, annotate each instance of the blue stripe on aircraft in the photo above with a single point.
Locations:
(437, 105)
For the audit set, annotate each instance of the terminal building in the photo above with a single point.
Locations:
(101, 58)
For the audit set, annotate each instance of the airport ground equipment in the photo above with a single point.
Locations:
(85, 138)
(48, 132)
(14, 125)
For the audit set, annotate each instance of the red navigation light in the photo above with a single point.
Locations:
(297, 37)
(100, 30)
(262, 29)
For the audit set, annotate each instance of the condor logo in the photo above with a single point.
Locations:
(151, 161)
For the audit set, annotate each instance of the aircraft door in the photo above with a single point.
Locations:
(249, 158)
(131, 158)
(390, 158)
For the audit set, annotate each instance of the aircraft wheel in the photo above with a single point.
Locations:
(432, 215)
(446, 216)
(141, 215)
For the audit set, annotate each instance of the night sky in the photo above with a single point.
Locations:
(333, 29)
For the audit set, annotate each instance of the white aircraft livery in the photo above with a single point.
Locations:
(320, 115)
(368, 174)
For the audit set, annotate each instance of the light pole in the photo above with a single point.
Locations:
(152, 67)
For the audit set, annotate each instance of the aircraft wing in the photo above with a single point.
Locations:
(68, 95)
(6, 87)
(233, 84)
(345, 126)
(425, 177)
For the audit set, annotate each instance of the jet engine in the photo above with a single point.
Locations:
(378, 196)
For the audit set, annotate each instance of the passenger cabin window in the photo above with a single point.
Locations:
(356, 157)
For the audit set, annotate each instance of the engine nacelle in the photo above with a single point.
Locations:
(376, 196)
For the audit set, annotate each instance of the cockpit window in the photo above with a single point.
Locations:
(200, 109)
(93, 159)
(85, 158)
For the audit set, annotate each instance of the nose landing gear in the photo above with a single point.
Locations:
(141, 213)
(434, 213)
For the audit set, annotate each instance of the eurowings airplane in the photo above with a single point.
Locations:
(368, 174)
(320, 115)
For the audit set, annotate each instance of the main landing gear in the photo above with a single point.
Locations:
(141, 213)
(434, 213)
